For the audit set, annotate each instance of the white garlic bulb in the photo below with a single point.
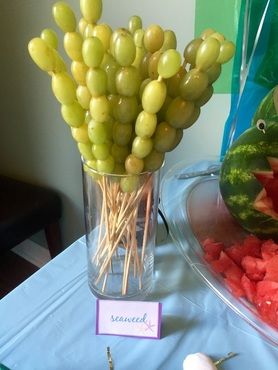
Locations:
(198, 361)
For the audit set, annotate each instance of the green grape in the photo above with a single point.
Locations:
(83, 96)
(124, 49)
(126, 109)
(119, 169)
(122, 133)
(87, 117)
(178, 138)
(119, 152)
(82, 24)
(103, 32)
(91, 10)
(80, 134)
(59, 64)
(113, 101)
(141, 146)
(195, 115)
(110, 66)
(97, 132)
(63, 87)
(64, 16)
(42, 54)
(153, 38)
(138, 38)
(106, 165)
(109, 130)
(153, 161)
(154, 96)
(134, 165)
(164, 137)
(100, 108)
(96, 81)
(128, 81)
(190, 51)
(50, 37)
(88, 31)
(130, 183)
(153, 64)
(205, 97)
(73, 45)
(86, 151)
(173, 83)
(144, 66)
(193, 84)
(227, 50)
(134, 23)
(213, 73)
(206, 33)
(179, 112)
(79, 71)
(140, 53)
(92, 165)
(73, 114)
(92, 52)
(114, 36)
(145, 124)
(207, 53)
(170, 40)
(161, 114)
(218, 36)
(101, 151)
(144, 83)
(169, 63)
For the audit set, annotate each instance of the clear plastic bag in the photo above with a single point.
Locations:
(255, 70)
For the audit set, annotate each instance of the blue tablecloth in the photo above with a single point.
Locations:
(48, 322)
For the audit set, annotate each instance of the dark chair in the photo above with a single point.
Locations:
(26, 209)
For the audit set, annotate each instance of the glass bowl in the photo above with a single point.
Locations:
(194, 210)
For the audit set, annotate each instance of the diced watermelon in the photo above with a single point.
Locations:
(249, 269)
(269, 249)
(236, 253)
(254, 268)
(251, 246)
(268, 310)
(272, 269)
(212, 249)
(249, 288)
(267, 289)
(235, 286)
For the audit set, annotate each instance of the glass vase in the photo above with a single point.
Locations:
(120, 219)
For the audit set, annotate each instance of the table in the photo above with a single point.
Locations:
(48, 322)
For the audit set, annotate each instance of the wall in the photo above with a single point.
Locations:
(35, 143)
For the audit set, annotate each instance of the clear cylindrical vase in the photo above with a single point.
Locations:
(120, 219)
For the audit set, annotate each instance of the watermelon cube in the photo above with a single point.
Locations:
(235, 287)
(269, 249)
(212, 249)
(254, 268)
(272, 269)
(249, 288)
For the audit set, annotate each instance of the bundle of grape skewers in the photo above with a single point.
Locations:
(128, 100)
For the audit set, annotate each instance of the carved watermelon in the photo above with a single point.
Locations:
(268, 108)
(249, 179)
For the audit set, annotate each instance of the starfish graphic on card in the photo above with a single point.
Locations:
(129, 318)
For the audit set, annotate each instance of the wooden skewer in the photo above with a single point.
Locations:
(119, 222)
